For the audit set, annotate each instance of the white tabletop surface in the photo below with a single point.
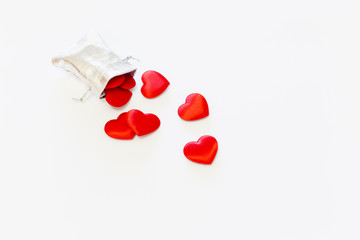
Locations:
(282, 79)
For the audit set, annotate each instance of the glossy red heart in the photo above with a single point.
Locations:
(194, 108)
(128, 83)
(203, 151)
(115, 82)
(118, 128)
(141, 123)
(117, 97)
(154, 84)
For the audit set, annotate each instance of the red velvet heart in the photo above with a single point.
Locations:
(128, 83)
(118, 128)
(115, 82)
(203, 151)
(194, 108)
(154, 84)
(117, 97)
(141, 123)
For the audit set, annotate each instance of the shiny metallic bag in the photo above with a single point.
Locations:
(91, 61)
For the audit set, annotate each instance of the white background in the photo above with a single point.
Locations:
(282, 82)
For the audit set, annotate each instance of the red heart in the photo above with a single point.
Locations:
(194, 108)
(203, 151)
(141, 123)
(117, 97)
(118, 128)
(115, 81)
(128, 83)
(154, 84)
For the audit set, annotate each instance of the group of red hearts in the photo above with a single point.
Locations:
(136, 122)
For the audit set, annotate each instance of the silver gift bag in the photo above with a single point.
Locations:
(91, 61)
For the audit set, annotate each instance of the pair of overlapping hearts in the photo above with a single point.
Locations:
(134, 122)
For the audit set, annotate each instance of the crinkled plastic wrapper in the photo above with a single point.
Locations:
(91, 61)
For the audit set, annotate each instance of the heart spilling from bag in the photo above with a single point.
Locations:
(117, 91)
